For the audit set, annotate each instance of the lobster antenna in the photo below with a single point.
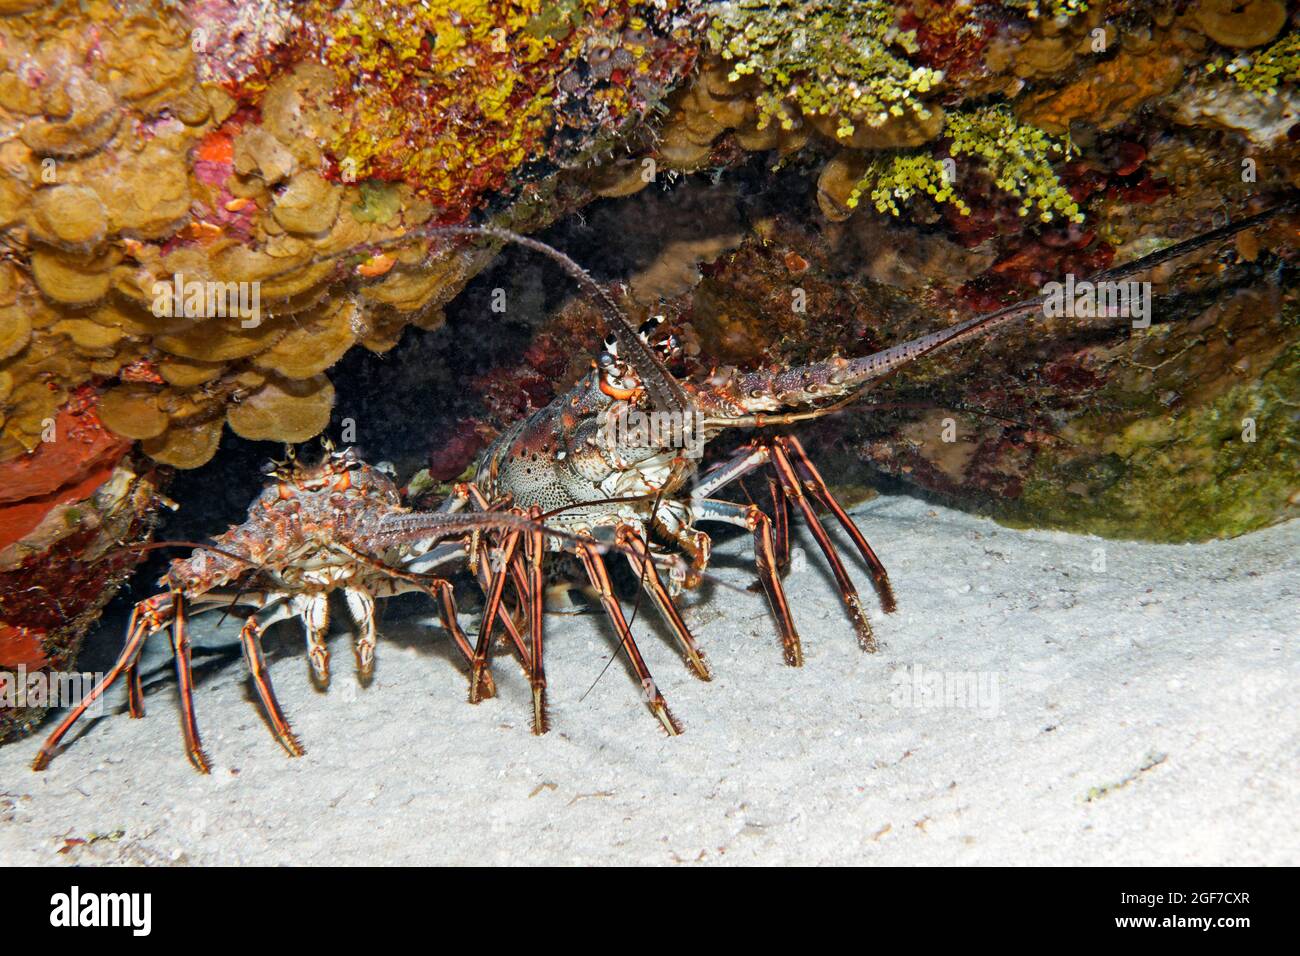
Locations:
(883, 363)
(853, 376)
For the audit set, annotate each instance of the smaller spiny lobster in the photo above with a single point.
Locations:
(338, 525)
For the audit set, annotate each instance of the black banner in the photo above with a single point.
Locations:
(139, 907)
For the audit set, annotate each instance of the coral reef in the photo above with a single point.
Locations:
(181, 204)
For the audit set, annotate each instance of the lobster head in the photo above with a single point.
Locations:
(337, 470)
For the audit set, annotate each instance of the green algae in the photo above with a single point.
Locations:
(1212, 471)
(1263, 72)
(832, 58)
(1016, 155)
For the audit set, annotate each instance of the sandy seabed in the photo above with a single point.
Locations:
(1025, 707)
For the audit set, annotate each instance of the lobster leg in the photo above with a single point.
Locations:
(534, 549)
(185, 676)
(817, 486)
(848, 593)
(745, 460)
(134, 689)
(145, 620)
(599, 577)
(752, 518)
(446, 599)
(478, 666)
(205, 602)
(314, 609)
(644, 568)
(469, 493)
(250, 636)
(438, 589)
(503, 613)
(362, 607)
(780, 525)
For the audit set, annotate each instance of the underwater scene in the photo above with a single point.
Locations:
(764, 432)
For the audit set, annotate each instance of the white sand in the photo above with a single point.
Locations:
(1144, 714)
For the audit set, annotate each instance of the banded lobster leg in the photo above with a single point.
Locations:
(791, 487)
(752, 518)
(654, 585)
(643, 566)
(180, 636)
(796, 479)
(466, 493)
(438, 589)
(208, 601)
(250, 637)
(492, 610)
(503, 613)
(148, 618)
(816, 485)
(534, 551)
(598, 574)
(530, 565)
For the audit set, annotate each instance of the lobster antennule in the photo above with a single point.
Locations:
(433, 526)
(840, 378)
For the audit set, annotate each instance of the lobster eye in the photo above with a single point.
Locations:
(605, 360)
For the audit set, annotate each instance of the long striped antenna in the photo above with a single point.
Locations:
(844, 379)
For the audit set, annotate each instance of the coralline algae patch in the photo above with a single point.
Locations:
(455, 97)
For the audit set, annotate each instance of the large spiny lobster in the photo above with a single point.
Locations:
(576, 465)
(567, 478)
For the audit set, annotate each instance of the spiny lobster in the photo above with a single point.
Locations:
(573, 466)
(338, 525)
(555, 481)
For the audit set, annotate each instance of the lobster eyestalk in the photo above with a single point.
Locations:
(839, 380)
